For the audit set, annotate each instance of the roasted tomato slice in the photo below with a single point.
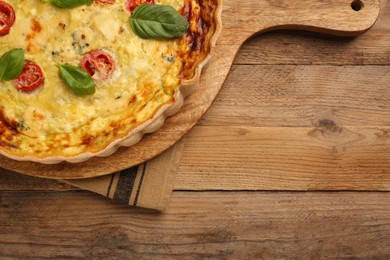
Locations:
(30, 78)
(104, 2)
(132, 4)
(99, 64)
(7, 18)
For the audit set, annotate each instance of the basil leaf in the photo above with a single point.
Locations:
(155, 21)
(77, 79)
(11, 64)
(70, 3)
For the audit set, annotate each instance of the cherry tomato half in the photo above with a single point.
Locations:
(99, 64)
(7, 18)
(132, 4)
(104, 2)
(30, 78)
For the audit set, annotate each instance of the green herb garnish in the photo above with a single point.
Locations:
(11, 64)
(155, 21)
(77, 79)
(69, 3)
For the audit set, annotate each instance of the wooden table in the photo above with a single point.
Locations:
(291, 161)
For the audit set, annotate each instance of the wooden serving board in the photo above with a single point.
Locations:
(241, 20)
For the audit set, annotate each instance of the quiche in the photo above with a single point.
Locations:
(91, 80)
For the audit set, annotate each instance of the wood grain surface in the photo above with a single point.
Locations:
(208, 225)
(330, 94)
(241, 20)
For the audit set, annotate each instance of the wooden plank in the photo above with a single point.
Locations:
(239, 225)
(326, 157)
(14, 181)
(285, 47)
(287, 95)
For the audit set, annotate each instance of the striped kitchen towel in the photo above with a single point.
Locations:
(148, 185)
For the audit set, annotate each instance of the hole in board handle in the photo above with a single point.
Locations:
(357, 5)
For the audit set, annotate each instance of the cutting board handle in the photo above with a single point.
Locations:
(246, 18)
